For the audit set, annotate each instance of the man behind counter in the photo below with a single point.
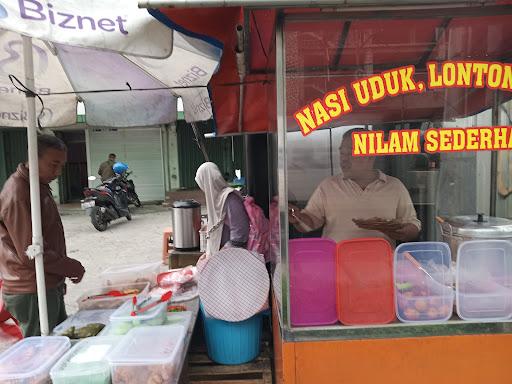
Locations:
(359, 202)
(16, 269)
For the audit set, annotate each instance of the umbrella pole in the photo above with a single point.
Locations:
(35, 251)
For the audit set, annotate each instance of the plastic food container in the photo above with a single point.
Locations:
(312, 282)
(132, 273)
(484, 280)
(155, 316)
(86, 301)
(423, 282)
(85, 363)
(122, 328)
(365, 292)
(29, 361)
(83, 319)
(148, 355)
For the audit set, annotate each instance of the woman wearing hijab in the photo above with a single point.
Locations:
(228, 223)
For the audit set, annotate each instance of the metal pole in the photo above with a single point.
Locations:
(299, 3)
(282, 168)
(35, 251)
(200, 142)
(494, 156)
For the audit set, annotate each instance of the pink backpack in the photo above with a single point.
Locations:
(258, 230)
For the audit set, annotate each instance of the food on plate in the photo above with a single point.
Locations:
(89, 330)
(156, 374)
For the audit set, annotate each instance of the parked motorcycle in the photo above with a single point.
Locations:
(133, 198)
(107, 202)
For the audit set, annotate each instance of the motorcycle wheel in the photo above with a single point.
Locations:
(129, 217)
(138, 204)
(98, 220)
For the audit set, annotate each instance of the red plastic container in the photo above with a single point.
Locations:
(364, 275)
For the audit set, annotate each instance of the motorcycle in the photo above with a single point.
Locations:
(133, 198)
(107, 202)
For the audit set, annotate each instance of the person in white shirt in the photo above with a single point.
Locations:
(359, 202)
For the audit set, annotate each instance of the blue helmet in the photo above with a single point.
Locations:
(120, 168)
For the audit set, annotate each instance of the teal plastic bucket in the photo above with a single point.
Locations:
(232, 343)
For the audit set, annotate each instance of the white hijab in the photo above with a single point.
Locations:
(216, 190)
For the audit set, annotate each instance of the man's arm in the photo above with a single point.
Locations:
(408, 232)
(312, 217)
(300, 220)
(15, 219)
(406, 214)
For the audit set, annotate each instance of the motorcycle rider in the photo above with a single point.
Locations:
(106, 170)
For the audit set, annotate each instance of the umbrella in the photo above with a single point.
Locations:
(128, 66)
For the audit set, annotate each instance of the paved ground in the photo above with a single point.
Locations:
(124, 242)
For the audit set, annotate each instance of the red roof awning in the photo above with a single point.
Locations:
(322, 55)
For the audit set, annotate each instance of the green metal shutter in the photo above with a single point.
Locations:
(219, 151)
(140, 148)
(14, 150)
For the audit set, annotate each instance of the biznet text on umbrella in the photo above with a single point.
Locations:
(401, 81)
(38, 11)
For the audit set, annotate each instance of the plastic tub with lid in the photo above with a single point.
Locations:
(82, 319)
(131, 273)
(312, 281)
(29, 361)
(122, 328)
(365, 292)
(85, 363)
(89, 299)
(148, 355)
(484, 280)
(423, 282)
(154, 316)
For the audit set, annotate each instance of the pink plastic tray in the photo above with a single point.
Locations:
(312, 282)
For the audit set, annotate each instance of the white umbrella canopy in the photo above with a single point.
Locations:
(126, 65)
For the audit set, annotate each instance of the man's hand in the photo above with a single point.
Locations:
(391, 228)
(76, 271)
(301, 221)
(408, 232)
(293, 212)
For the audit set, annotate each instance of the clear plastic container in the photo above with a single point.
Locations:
(423, 282)
(85, 363)
(153, 317)
(148, 355)
(484, 280)
(82, 319)
(122, 328)
(29, 361)
(88, 301)
(132, 273)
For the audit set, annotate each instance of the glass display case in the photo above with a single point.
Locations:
(372, 205)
